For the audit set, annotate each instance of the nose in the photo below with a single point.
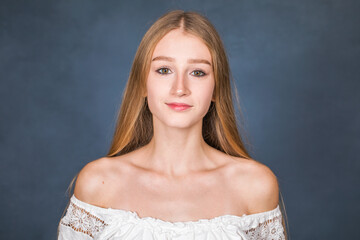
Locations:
(179, 87)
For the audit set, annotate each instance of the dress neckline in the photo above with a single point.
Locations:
(135, 215)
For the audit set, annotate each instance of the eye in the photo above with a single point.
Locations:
(163, 71)
(199, 73)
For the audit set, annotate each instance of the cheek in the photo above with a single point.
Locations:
(206, 97)
(154, 94)
(210, 92)
(151, 95)
(205, 92)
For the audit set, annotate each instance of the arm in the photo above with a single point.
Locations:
(270, 229)
(262, 200)
(265, 198)
(79, 223)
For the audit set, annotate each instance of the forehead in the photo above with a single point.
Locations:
(180, 45)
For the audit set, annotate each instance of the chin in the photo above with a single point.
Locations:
(177, 123)
(180, 125)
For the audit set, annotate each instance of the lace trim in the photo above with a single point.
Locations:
(81, 220)
(270, 229)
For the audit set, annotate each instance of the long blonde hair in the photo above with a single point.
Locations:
(134, 126)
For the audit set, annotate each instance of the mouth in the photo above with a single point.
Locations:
(178, 106)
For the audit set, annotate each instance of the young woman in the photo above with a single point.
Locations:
(177, 167)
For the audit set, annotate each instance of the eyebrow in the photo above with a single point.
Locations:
(170, 59)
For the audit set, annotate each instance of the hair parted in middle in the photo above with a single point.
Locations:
(134, 126)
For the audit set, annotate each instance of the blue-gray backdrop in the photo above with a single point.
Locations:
(64, 65)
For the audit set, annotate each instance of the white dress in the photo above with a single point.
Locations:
(85, 221)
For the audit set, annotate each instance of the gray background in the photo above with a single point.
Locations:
(64, 65)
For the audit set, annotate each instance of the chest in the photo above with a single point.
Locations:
(177, 200)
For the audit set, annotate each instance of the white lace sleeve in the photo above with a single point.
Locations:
(271, 229)
(79, 223)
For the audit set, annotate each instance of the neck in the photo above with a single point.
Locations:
(177, 151)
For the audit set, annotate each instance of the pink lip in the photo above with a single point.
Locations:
(178, 106)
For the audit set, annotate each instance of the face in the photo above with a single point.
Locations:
(181, 73)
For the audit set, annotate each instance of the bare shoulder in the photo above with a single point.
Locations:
(257, 183)
(91, 178)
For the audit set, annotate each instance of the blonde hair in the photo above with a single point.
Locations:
(134, 126)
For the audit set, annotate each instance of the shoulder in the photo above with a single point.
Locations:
(91, 178)
(257, 183)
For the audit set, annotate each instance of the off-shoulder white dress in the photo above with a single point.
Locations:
(86, 221)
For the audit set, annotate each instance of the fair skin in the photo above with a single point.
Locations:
(178, 176)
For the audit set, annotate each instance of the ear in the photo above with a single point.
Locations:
(213, 98)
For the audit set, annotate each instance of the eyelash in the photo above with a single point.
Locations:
(203, 74)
